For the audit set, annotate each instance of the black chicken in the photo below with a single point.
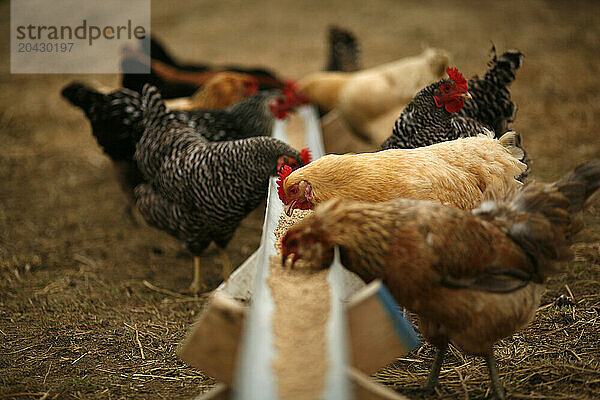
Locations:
(171, 88)
(439, 112)
(199, 191)
(343, 51)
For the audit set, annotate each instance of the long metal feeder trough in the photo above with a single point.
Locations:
(363, 334)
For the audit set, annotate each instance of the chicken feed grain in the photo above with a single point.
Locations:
(302, 303)
(300, 317)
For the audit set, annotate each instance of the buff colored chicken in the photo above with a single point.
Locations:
(363, 97)
(455, 173)
(220, 91)
(472, 278)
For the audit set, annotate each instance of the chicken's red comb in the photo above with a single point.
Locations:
(305, 155)
(251, 85)
(458, 78)
(290, 96)
(283, 173)
(290, 90)
(290, 84)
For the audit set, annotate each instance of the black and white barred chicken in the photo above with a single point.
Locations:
(199, 191)
(439, 112)
(114, 116)
(252, 116)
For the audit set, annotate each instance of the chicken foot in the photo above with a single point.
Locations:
(496, 384)
(198, 284)
(434, 373)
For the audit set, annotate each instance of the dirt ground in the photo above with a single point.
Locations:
(78, 321)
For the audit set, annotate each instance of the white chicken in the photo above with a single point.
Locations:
(367, 99)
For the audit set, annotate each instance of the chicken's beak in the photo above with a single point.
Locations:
(286, 255)
(467, 96)
(289, 208)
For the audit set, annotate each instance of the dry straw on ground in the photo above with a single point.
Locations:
(72, 265)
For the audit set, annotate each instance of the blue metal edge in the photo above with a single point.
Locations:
(403, 328)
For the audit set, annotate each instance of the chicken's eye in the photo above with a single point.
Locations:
(293, 190)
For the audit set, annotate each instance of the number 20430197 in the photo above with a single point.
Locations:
(63, 47)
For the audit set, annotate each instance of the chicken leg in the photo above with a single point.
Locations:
(198, 284)
(226, 271)
(434, 372)
(496, 384)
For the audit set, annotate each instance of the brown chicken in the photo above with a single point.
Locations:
(473, 278)
(220, 91)
(456, 173)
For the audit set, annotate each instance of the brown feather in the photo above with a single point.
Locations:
(473, 278)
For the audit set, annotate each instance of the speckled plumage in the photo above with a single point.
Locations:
(112, 116)
(115, 118)
(198, 190)
(422, 123)
(247, 118)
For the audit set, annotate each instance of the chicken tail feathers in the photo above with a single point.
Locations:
(503, 69)
(581, 185)
(153, 48)
(120, 107)
(154, 111)
(512, 142)
(543, 219)
(114, 117)
(344, 52)
(82, 96)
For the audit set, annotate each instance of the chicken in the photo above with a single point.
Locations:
(472, 278)
(439, 112)
(180, 80)
(199, 191)
(456, 173)
(114, 116)
(252, 116)
(220, 91)
(343, 51)
(364, 96)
